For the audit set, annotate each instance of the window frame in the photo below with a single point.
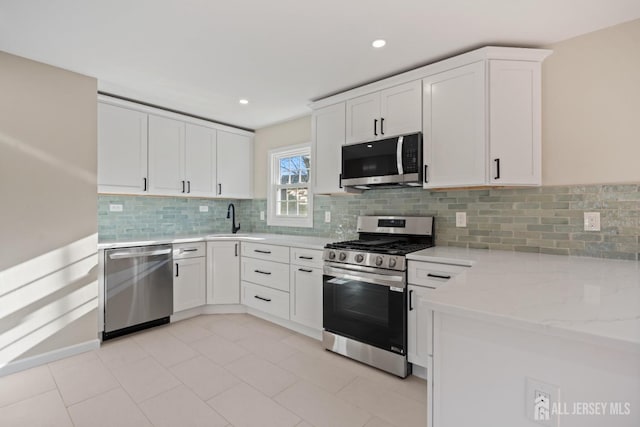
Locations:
(273, 173)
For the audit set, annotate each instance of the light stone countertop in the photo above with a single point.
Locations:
(590, 299)
(306, 242)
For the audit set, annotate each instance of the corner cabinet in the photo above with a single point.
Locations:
(481, 124)
(223, 272)
(328, 134)
(122, 150)
(384, 114)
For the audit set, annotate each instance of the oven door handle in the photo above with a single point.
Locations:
(392, 281)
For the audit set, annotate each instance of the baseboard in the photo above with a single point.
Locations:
(419, 371)
(51, 356)
(208, 309)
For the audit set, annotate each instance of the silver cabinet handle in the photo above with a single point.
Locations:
(123, 255)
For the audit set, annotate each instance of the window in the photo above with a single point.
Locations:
(289, 200)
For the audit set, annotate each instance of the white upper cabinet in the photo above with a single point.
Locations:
(166, 156)
(400, 110)
(200, 161)
(384, 114)
(328, 130)
(514, 122)
(483, 130)
(454, 127)
(235, 165)
(122, 150)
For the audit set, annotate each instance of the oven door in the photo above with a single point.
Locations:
(367, 305)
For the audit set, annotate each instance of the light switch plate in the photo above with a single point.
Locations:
(261, 215)
(461, 219)
(115, 207)
(204, 208)
(592, 221)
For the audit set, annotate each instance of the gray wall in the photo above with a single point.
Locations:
(48, 287)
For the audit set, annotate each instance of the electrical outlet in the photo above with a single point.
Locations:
(261, 215)
(592, 221)
(327, 216)
(540, 400)
(461, 219)
(204, 208)
(115, 208)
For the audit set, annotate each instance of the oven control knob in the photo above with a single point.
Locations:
(359, 258)
(342, 256)
(392, 262)
(332, 255)
(379, 260)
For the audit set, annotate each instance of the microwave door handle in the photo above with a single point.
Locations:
(399, 155)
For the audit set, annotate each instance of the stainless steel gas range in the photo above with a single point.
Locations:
(365, 290)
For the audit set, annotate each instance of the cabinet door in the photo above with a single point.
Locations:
(166, 156)
(363, 118)
(200, 161)
(122, 150)
(419, 327)
(401, 110)
(328, 137)
(189, 285)
(306, 296)
(514, 130)
(235, 165)
(223, 275)
(454, 127)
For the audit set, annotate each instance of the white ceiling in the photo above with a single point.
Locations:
(202, 56)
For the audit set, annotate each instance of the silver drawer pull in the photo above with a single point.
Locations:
(262, 298)
(305, 257)
(304, 270)
(260, 251)
(268, 273)
(439, 276)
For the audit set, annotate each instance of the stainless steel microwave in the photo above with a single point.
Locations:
(385, 163)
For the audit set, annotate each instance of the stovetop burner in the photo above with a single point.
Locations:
(381, 246)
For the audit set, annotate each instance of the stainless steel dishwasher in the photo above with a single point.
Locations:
(138, 288)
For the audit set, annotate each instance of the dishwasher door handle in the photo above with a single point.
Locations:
(124, 255)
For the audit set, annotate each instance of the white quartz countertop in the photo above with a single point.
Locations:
(307, 242)
(592, 299)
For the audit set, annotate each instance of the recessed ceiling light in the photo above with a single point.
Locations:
(244, 101)
(378, 43)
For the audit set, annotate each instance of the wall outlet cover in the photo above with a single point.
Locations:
(204, 208)
(461, 219)
(115, 207)
(327, 216)
(592, 221)
(261, 215)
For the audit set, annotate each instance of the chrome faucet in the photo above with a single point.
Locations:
(231, 213)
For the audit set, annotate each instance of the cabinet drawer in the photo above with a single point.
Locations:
(306, 257)
(432, 274)
(189, 250)
(265, 299)
(264, 251)
(267, 273)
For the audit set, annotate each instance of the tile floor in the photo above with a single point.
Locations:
(219, 370)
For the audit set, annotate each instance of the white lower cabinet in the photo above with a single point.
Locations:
(223, 275)
(419, 327)
(189, 276)
(268, 300)
(306, 287)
